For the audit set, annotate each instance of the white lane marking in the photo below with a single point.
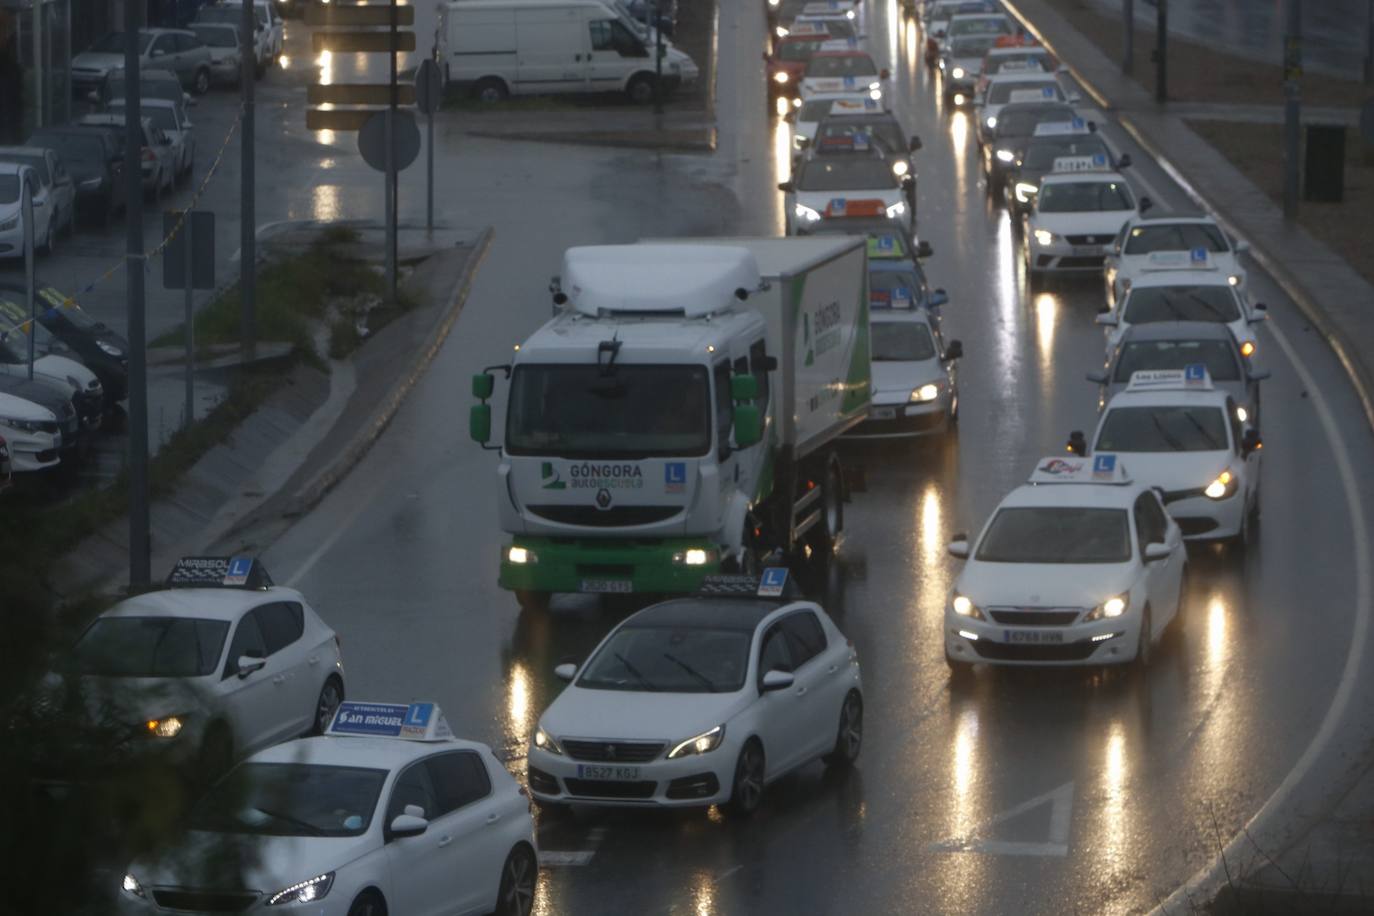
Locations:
(1056, 844)
(339, 531)
(1242, 850)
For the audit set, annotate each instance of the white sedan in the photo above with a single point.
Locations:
(1179, 292)
(1075, 216)
(386, 813)
(915, 384)
(1147, 243)
(839, 184)
(1079, 566)
(700, 701)
(219, 664)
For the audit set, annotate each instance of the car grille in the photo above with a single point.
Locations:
(1080, 263)
(610, 788)
(1196, 525)
(613, 751)
(1034, 617)
(615, 517)
(1088, 239)
(1016, 652)
(205, 901)
(902, 425)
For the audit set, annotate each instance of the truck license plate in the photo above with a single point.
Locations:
(586, 771)
(608, 586)
(1033, 636)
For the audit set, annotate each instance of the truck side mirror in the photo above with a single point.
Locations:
(479, 423)
(1078, 445)
(744, 387)
(748, 425)
(483, 385)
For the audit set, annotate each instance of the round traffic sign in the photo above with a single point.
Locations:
(405, 140)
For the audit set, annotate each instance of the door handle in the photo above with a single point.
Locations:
(445, 841)
(832, 669)
(493, 818)
(801, 691)
(314, 659)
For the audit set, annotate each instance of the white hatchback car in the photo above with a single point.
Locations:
(13, 178)
(1178, 291)
(1186, 438)
(1073, 219)
(1079, 566)
(385, 813)
(1149, 243)
(848, 182)
(219, 664)
(701, 701)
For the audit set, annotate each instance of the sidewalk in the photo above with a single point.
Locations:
(1311, 846)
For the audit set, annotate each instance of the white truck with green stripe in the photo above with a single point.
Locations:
(678, 415)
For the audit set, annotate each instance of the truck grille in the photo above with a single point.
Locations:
(613, 751)
(614, 517)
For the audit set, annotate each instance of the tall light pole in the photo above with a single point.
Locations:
(140, 563)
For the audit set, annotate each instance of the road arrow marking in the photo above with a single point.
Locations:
(1056, 845)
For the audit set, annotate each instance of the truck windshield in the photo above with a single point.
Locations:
(636, 412)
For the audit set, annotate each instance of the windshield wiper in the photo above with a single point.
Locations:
(293, 821)
(634, 672)
(1164, 433)
(1202, 431)
(710, 686)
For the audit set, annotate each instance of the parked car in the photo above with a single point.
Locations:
(226, 54)
(34, 419)
(175, 50)
(95, 161)
(6, 470)
(268, 31)
(65, 329)
(55, 185)
(13, 178)
(152, 84)
(67, 377)
(170, 118)
(155, 157)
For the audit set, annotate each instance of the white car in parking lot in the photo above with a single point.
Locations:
(1180, 292)
(701, 701)
(1081, 565)
(1148, 243)
(385, 813)
(13, 178)
(171, 119)
(34, 433)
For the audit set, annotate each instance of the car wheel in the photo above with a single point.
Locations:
(368, 903)
(518, 876)
(532, 601)
(641, 89)
(850, 738)
(331, 695)
(1144, 650)
(748, 789)
(202, 82)
(490, 90)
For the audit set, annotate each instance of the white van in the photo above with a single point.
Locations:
(498, 48)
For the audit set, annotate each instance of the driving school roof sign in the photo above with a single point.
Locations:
(413, 721)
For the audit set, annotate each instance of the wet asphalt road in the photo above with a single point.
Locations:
(1024, 792)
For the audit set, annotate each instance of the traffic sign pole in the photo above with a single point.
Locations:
(428, 88)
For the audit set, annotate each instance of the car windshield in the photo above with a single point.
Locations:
(999, 93)
(113, 43)
(1021, 122)
(1057, 534)
(1042, 151)
(800, 49)
(894, 289)
(833, 65)
(670, 660)
(1219, 356)
(883, 131)
(1148, 304)
(36, 161)
(971, 45)
(73, 147)
(902, 342)
(1163, 429)
(9, 189)
(1175, 237)
(980, 26)
(216, 37)
(631, 412)
(291, 799)
(846, 173)
(150, 647)
(1085, 197)
(162, 118)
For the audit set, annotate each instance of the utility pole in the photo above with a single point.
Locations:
(1369, 44)
(248, 253)
(1162, 52)
(1128, 36)
(1292, 109)
(140, 563)
(391, 209)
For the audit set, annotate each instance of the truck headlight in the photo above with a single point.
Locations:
(896, 210)
(1225, 485)
(1044, 237)
(520, 556)
(801, 211)
(958, 73)
(1005, 155)
(546, 743)
(304, 892)
(1112, 607)
(965, 607)
(701, 744)
(694, 556)
(1025, 191)
(925, 393)
(166, 727)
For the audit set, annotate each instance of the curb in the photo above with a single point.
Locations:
(310, 495)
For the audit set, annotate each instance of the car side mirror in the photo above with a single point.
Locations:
(958, 548)
(1106, 318)
(1241, 246)
(1097, 378)
(777, 680)
(1259, 312)
(923, 250)
(955, 350)
(1124, 162)
(156, 52)
(908, 183)
(1073, 98)
(565, 671)
(189, 100)
(247, 664)
(915, 143)
(1251, 442)
(1156, 552)
(803, 143)
(937, 298)
(408, 825)
(1145, 204)
(785, 187)
(1077, 444)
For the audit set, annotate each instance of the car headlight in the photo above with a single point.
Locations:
(304, 892)
(521, 556)
(1225, 485)
(110, 349)
(1242, 414)
(1044, 237)
(25, 426)
(546, 743)
(694, 556)
(900, 168)
(896, 210)
(991, 122)
(1233, 279)
(1005, 155)
(780, 77)
(801, 211)
(701, 744)
(925, 393)
(1025, 191)
(8, 224)
(1112, 607)
(849, 14)
(958, 73)
(130, 885)
(943, 63)
(166, 727)
(1247, 348)
(875, 94)
(964, 607)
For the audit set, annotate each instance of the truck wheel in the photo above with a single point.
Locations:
(532, 601)
(827, 533)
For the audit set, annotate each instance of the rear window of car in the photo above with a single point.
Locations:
(217, 37)
(833, 65)
(999, 93)
(1149, 304)
(1145, 239)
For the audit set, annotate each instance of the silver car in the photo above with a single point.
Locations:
(55, 185)
(172, 121)
(156, 158)
(175, 50)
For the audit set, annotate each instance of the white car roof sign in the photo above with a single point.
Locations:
(1192, 377)
(1031, 95)
(1098, 469)
(219, 572)
(1062, 128)
(1195, 259)
(1015, 66)
(1097, 162)
(852, 106)
(409, 721)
